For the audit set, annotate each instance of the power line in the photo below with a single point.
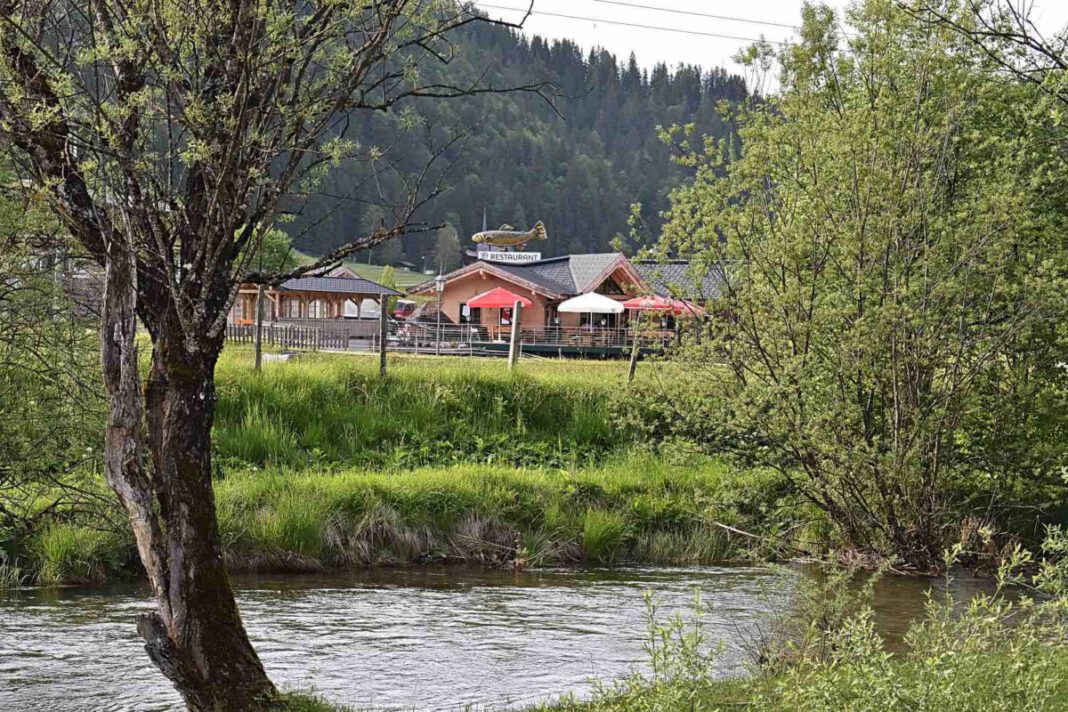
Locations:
(692, 13)
(623, 24)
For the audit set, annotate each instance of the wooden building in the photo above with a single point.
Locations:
(548, 282)
(339, 295)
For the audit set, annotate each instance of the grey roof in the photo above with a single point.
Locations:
(568, 275)
(676, 278)
(340, 285)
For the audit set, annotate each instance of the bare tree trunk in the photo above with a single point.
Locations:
(201, 645)
(195, 636)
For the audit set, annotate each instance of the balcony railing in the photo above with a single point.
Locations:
(428, 337)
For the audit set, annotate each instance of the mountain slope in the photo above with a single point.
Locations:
(578, 171)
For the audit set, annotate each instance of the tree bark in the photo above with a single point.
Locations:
(197, 638)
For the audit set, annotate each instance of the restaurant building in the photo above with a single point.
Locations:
(549, 283)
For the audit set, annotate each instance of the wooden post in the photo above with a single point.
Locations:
(383, 333)
(513, 346)
(634, 347)
(258, 336)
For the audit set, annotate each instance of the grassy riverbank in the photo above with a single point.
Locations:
(634, 507)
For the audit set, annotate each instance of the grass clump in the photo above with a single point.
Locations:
(604, 533)
(69, 553)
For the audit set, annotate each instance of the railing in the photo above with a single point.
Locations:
(353, 328)
(289, 336)
(428, 337)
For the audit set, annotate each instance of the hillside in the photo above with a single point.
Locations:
(578, 170)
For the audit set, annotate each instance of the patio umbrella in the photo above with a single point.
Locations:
(662, 304)
(590, 303)
(498, 298)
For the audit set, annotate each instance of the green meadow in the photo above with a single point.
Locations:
(321, 463)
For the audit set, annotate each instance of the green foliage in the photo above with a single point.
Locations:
(998, 651)
(603, 535)
(274, 253)
(50, 405)
(1001, 652)
(277, 519)
(300, 702)
(68, 553)
(893, 312)
(307, 520)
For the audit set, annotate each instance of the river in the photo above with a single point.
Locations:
(423, 639)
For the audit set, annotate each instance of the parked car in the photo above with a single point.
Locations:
(404, 309)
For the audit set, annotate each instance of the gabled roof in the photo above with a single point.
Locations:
(339, 285)
(556, 277)
(672, 278)
(520, 277)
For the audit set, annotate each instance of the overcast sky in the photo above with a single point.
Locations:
(698, 47)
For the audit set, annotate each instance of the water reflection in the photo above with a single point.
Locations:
(425, 639)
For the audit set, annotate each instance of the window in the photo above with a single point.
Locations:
(506, 316)
(317, 309)
(291, 307)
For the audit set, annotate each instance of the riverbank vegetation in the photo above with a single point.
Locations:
(891, 334)
(634, 507)
(997, 651)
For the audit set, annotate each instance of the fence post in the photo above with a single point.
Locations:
(513, 346)
(383, 333)
(634, 348)
(257, 338)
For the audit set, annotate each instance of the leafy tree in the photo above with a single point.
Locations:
(169, 137)
(51, 409)
(447, 250)
(894, 292)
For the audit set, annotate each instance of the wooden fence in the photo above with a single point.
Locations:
(290, 336)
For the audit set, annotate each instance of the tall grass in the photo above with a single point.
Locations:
(69, 553)
(326, 408)
(628, 508)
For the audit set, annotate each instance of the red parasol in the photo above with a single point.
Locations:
(497, 298)
(662, 304)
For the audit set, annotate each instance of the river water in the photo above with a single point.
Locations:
(423, 639)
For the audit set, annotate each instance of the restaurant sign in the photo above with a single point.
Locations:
(509, 257)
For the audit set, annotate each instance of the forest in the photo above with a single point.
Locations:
(576, 156)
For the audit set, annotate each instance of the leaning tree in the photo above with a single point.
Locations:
(169, 136)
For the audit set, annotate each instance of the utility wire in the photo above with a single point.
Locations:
(623, 24)
(693, 13)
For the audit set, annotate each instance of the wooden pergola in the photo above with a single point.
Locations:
(309, 298)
